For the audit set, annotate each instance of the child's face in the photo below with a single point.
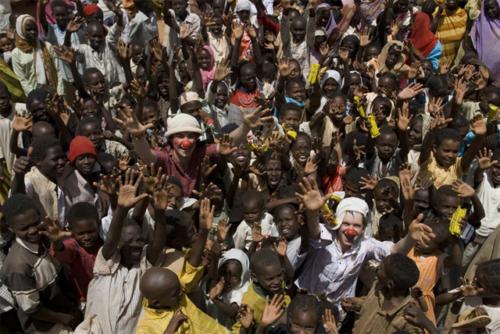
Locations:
(371, 52)
(383, 201)
(415, 133)
(231, 270)
(85, 164)
(355, 83)
(216, 28)
(387, 234)
(297, 92)
(90, 108)
(244, 16)
(381, 110)
(385, 86)
(495, 173)
(295, 71)
(337, 109)
(221, 96)
(39, 111)
(93, 132)
(204, 59)
(448, 205)
(447, 152)
(60, 13)
(131, 244)
(149, 115)
(137, 53)
(26, 226)
(163, 86)
(247, 78)
(252, 211)
(85, 232)
(421, 200)
(273, 173)
(31, 32)
(386, 145)
(298, 30)
(303, 322)
(5, 44)
(333, 161)
(5, 107)
(269, 277)
(291, 118)
(241, 157)
(287, 223)
(97, 85)
(330, 87)
(352, 190)
(174, 196)
(53, 164)
(301, 150)
(95, 35)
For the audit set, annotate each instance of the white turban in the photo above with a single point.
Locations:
(350, 204)
(21, 23)
(331, 74)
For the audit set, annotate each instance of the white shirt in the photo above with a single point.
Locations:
(141, 29)
(243, 235)
(490, 199)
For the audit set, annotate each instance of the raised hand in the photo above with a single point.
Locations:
(226, 145)
(311, 166)
(51, 229)
(206, 167)
(329, 322)
(176, 321)
(109, 184)
(311, 197)
(444, 68)
(129, 121)
(405, 176)
(273, 310)
(206, 214)
(139, 89)
(151, 177)
(280, 247)
(216, 290)
(184, 31)
(57, 107)
(478, 125)
(484, 159)
(435, 106)
(284, 67)
(222, 71)
(404, 117)
(464, 190)
(124, 162)
(223, 229)
(256, 118)
(257, 232)
(410, 91)
(124, 50)
(161, 196)
(460, 87)
(211, 191)
(439, 122)
(245, 315)
(368, 183)
(359, 150)
(156, 48)
(470, 289)
(237, 29)
(75, 24)
(23, 123)
(365, 37)
(352, 304)
(251, 31)
(65, 53)
(127, 197)
(420, 232)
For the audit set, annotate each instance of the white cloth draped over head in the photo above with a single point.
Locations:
(350, 204)
(247, 5)
(331, 74)
(21, 22)
(235, 295)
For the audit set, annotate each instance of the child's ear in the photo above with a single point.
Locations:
(391, 284)
(154, 303)
(254, 277)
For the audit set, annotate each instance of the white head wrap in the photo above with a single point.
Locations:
(352, 204)
(235, 295)
(21, 22)
(331, 74)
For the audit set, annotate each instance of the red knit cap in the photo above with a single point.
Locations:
(90, 9)
(80, 145)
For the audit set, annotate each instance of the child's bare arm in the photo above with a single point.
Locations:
(126, 199)
(206, 219)
(280, 248)
(313, 201)
(455, 259)
(160, 204)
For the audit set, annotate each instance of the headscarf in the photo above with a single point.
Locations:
(331, 21)
(421, 35)
(208, 75)
(371, 9)
(350, 204)
(485, 35)
(43, 65)
(236, 294)
(331, 74)
(382, 57)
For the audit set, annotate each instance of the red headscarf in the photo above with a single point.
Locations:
(421, 35)
(90, 9)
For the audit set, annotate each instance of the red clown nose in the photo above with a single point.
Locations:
(186, 143)
(350, 233)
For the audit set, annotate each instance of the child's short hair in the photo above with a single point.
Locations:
(304, 303)
(41, 145)
(174, 180)
(384, 101)
(290, 206)
(262, 258)
(17, 204)
(490, 275)
(386, 130)
(294, 81)
(387, 187)
(252, 196)
(355, 174)
(82, 211)
(402, 270)
(390, 76)
(58, 3)
(438, 85)
(286, 107)
(390, 222)
(458, 122)
(91, 70)
(302, 135)
(85, 121)
(150, 103)
(444, 191)
(447, 134)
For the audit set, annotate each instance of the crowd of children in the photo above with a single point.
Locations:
(250, 166)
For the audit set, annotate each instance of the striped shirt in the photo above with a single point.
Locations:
(329, 271)
(450, 31)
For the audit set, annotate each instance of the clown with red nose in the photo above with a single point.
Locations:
(350, 217)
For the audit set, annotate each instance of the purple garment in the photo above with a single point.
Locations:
(331, 22)
(485, 35)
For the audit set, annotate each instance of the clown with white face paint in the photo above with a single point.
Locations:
(334, 262)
